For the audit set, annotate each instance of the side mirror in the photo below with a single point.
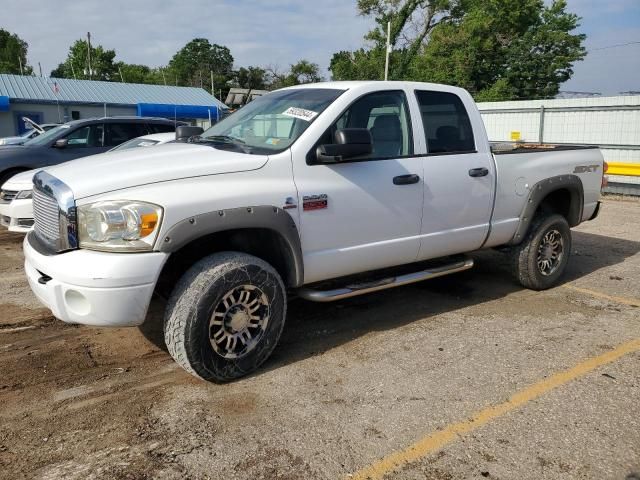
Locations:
(350, 143)
(61, 143)
(185, 132)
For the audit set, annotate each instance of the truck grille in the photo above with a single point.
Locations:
(47, 217)
(6, 196)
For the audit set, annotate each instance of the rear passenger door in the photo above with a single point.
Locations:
(458, 178)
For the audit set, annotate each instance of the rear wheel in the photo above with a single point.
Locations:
(541, 259)
(225, 316)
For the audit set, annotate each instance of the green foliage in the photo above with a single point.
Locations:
(76, 64)
(13, 50)
(497, 49)
(193, 64)
(254, 78)
(301, 72)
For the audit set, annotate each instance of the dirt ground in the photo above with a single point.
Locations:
(350, 383)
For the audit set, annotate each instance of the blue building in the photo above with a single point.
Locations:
(59, 100)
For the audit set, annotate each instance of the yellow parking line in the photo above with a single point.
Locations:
(625, 301)
(436, 440)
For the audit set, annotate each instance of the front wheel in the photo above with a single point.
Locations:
(540, 260)
(225, 316)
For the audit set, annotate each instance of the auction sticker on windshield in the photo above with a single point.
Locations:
(301, 113)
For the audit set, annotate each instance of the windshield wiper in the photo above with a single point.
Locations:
(221, 138)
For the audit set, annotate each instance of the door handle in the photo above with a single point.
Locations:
(479, 172)
(406, 179)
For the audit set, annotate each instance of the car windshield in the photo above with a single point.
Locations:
(271, 123)
(135, 143)
(48, 136)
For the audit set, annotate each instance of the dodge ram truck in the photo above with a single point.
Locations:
(322, 191)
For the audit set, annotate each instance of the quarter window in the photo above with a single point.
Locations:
(446, 123)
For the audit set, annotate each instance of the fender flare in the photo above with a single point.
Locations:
(263, 216)
(539, 192)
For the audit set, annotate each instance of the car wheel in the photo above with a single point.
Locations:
(541, 259)
(225, 316)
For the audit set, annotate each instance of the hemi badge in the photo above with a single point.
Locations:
(314, 202)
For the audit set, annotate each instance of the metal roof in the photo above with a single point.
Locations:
(43, 89)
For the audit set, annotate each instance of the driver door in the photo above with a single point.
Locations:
(363, 214)
(82, 142)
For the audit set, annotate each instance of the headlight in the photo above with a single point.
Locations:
(24, 194)
(2, 142)
(119, 225)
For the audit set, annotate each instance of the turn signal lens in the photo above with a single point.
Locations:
(148, 223)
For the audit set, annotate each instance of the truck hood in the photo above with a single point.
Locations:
(141, 166)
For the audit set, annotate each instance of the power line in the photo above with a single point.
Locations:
(615, 46)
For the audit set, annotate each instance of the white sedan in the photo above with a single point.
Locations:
(16, 208)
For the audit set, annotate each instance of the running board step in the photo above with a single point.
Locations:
(362, 288)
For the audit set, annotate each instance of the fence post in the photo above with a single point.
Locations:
(541, 128)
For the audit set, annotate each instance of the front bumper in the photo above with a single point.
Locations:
(94, 288)
(17, 215)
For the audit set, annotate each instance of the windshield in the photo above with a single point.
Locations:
(48, 136)
(134, 143)
(271, 123)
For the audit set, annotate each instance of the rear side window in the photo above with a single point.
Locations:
(118, 133)
(160, 128)
(446, 123)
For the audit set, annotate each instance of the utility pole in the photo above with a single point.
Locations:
(163, 77)
(121, 77)
(73, 71)
(89, 52)
(40, 67)
(213, 92)
(386, 63)
(20, 60)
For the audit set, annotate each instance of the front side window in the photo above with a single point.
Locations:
(386, 116)
(446, 123)
(90, 136)
(271, 123)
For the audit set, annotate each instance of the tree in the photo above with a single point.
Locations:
(497, 49)
(76, 64)
(193, 64)
(301, 72)
(253, 78)
(13, 52)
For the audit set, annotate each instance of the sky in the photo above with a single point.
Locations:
(280, 32)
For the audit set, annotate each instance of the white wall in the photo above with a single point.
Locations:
(52, 114)
(612, 122)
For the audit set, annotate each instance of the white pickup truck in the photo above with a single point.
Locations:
(324, 191)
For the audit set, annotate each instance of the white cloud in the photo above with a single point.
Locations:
(258, 32)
